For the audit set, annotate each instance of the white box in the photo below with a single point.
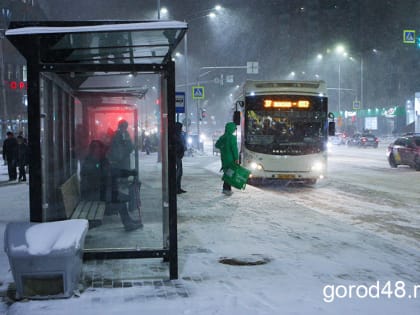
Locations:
(46, 258)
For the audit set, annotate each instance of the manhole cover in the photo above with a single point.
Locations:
(251, 260)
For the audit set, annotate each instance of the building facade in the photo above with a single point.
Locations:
(13, 75)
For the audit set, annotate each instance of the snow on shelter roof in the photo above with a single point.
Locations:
(136, 26)
(100, 41)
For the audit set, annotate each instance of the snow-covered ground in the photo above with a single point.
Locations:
(329, 247)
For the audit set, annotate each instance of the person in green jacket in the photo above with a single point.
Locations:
(227, 144)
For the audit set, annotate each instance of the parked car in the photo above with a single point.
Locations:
(338, 139)
(405, 150)
(363, 140)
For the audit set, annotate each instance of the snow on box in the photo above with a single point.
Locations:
(46, 258)
(45, 238)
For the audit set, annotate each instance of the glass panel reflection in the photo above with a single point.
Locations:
(151, 46)
(116, 178)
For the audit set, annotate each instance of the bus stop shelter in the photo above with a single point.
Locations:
(84, 78)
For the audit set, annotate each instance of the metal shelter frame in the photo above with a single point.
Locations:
(88, 48)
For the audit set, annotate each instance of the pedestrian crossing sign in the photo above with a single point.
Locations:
(409, 36)
(198, 92)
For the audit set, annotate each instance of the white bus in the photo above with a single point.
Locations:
(284, 129)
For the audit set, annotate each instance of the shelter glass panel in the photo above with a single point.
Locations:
(114, 174)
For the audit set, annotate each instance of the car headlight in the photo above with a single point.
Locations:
(318, 167)
(256, 166)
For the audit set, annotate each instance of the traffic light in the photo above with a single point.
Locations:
(418, 41)
(203, 113)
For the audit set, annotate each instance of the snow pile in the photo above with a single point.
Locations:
(45, 238)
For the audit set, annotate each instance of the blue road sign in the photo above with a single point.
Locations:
(179, 102)
(409, 36)
(356, 105)
(198, 92)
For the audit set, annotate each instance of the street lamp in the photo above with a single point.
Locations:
(340, 50)
(362, 70)
(211, 14)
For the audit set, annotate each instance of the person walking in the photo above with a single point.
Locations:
(227, 144)
(10, 152)
(22, 157)
(147, 144)
(180, 147)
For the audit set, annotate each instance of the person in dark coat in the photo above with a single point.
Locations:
(96, 182)
(227, 144)
(119, 155)
(121, 147)
(180, 147)
(147, 144)
(10, 154)
(22, 157)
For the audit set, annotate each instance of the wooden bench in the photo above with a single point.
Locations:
(75, 208)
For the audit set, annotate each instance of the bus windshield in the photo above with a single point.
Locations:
(285, 131)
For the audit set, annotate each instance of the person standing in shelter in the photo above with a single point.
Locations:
(10, 154)
(22, 157)
(121, 147)
(119, 156)
(227, 144)
(180, 147)
(96, 180)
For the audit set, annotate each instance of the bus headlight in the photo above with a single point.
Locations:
(256, 166)
(203, 137)
(329, 146)
(318, 166)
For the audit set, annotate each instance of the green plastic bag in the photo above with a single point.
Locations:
(236, 176)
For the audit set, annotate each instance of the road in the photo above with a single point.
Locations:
(363, 190)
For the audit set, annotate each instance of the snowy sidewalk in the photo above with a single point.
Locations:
(307, 251)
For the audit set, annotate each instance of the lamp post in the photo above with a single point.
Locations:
(361, 78)
(340, 50)
(361, 81)
(190, 19)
